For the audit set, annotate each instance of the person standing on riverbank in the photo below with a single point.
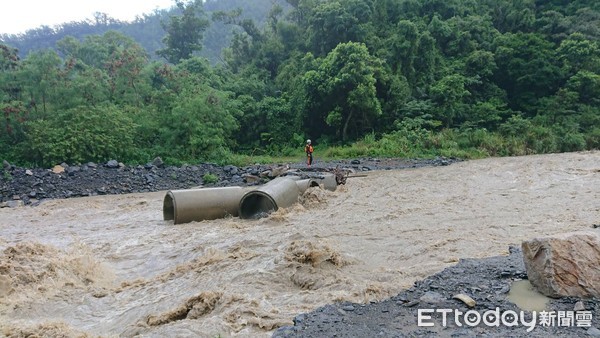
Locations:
(308, 149)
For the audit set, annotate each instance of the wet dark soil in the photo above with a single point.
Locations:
(487, 281)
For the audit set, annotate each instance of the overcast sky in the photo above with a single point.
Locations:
(16, 16)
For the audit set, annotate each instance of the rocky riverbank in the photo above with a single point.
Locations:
(20, 185)
(487, 281)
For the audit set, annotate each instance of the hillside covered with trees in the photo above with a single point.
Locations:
(145, 29)
(371, 77)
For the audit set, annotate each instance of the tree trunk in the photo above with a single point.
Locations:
(345, 129)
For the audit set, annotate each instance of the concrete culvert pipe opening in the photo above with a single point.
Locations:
(256, 204)
(183, 206)
(279, 193)
(168, 207)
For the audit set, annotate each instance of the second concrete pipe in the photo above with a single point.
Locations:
(281, 192)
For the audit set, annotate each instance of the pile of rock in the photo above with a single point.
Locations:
(20, 186)
(25, 186)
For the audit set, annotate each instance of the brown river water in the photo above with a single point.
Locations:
(110, 266)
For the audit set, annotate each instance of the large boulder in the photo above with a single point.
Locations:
(564, 265)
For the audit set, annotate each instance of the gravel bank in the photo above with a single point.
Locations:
(486, 280)
(30, 185)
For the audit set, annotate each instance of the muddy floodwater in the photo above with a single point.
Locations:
(110, 266)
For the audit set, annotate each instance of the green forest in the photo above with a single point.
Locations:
(397, 78)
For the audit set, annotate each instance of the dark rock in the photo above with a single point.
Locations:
(14, 204)
(112, 164)
(6, 165)
(348, 308)
(299, 319)
(593, 332)
(158, 162)
(355, 162)
(72, 170)
(286, 331)
(230, 169)
(402, 298)
(432, 297)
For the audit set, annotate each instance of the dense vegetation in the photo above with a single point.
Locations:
(362, 77)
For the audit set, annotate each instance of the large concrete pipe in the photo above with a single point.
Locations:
(303, 185)
(327, 180)
(281, 192)
(183, 206)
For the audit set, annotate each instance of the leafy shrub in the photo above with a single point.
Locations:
(6, 175)
(515, 126)
(571, 142)
(209, 178)
(592, 139)
(81, 134)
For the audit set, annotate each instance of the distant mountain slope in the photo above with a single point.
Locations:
(146, 29)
